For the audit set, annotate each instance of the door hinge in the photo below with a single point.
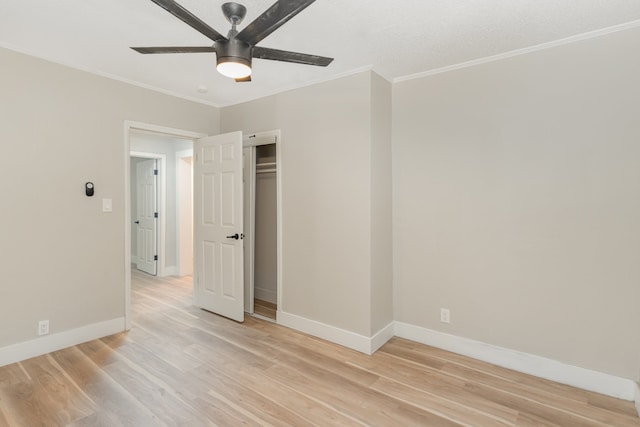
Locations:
(155, 214)
(155, 171)
(155, 257)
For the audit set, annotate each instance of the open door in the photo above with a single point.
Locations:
(218, 225)
(147, 216)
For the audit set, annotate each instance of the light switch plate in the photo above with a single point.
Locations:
(107, 205)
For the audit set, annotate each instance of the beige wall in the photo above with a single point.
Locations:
(327, 198)
(266, 260)
(62, 258)
(516, 202)
(515, 198)
(381, 235)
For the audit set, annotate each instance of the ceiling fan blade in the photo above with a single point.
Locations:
(244, 79)
(174, 49)
(287, 56)
(272, 19)
(189, 18)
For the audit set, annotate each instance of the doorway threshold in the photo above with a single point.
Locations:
(261, 317)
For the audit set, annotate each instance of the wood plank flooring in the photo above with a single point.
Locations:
(265, 308)
(180, 366)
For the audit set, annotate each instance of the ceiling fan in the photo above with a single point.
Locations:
(235, 52)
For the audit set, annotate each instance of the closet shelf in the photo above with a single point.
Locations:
(264, 165)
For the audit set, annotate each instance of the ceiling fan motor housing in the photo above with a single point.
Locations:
(233, 50)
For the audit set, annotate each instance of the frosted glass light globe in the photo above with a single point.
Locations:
(235, 70)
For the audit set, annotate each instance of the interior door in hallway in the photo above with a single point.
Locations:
(218, 225)
(147, 216)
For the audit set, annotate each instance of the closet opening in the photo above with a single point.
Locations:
(262, 221)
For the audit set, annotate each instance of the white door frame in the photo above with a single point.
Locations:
(130, 126)
(254, 140)
(249, 184)
(161, 197)
(180, 156)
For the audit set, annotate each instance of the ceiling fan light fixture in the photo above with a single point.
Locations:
(234, 67)
(233, 58)
(235, 51)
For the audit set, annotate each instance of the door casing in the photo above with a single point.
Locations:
(252, 141)
(184, 216)
(129, 127)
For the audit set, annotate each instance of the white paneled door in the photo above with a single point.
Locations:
(147, 216)
(218, 225)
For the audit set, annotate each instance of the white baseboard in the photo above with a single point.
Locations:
(48, 343)
(265, 294)
(637, 399)
(379, 339)
(336, 335)
(522, 362)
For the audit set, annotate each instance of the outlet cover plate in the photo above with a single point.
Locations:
(43, 327)
(445, 315)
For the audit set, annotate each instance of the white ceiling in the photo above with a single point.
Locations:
(394, 38)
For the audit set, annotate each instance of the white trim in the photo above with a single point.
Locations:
(517, 52)
(149, 128)
(361, 343)
(279, 220)
(249, 213)
(381, 337)
(261, 317)
(254, 140)
(327, 332)
(46, 344)
(128, 127)
(637, 398)
(261, 138)
(161, 233)
(522, 362)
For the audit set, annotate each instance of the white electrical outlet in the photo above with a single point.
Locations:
(43, 327)
(445, 315)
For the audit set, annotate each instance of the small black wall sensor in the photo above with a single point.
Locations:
(88, 189)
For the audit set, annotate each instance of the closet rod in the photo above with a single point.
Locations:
(265, 171)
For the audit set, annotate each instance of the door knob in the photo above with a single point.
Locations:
(136, 222)
(235, 236)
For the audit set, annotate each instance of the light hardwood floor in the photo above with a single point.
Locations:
(183, 366)
(264, 308)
